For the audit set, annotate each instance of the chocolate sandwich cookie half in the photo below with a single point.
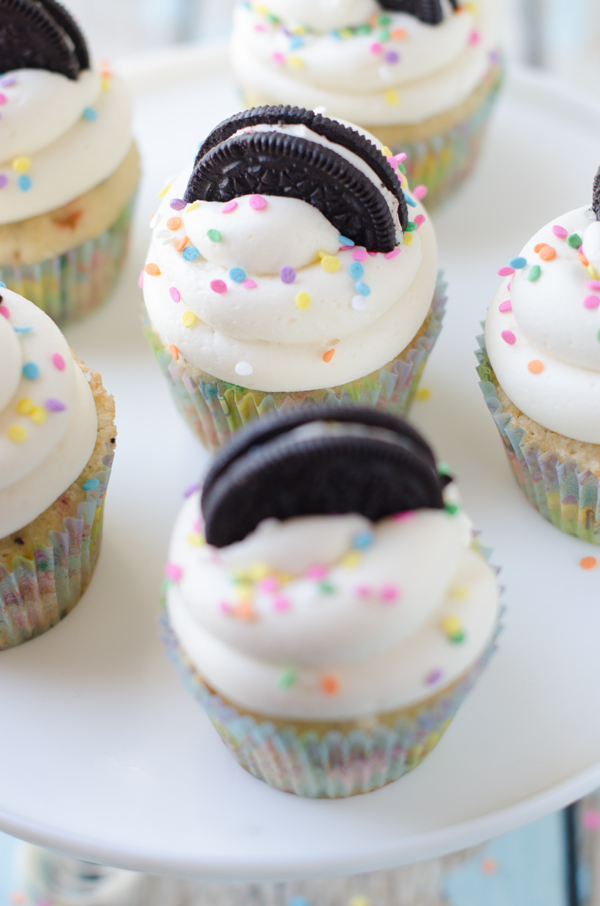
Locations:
(40, 35)
(333, 630)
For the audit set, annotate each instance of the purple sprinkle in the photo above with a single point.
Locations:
(3, 180)
(6, 83)
(434, 677)
(392, 57)
(287, 274)
(54, 405)
(191, 490)
(178, 204)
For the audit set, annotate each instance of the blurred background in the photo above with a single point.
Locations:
(560, 35)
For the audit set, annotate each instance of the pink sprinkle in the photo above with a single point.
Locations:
(376, 47)
(419, 220)
(173, 572)
(278, 58)
(404, 517)
(506, 271)
(393, 254)
(474, 37)
(141, 280)
(359, 254)
(269, 584)
(594, 285)
(175, 294)
(282, 604)
(218, 286)
(508, 337)
(362, 591)
(508, 285)
(58, 362)
(397, 158)
(3, 99)
(229, 206)
(316, 572)
(225, 607)
(197, 526)
(420, 192)
(249, 284)
(591, 302)
(372, 254)
(259, 27)
(4, 311)
(505, 306)
(257, 202)
(388, 593)
(560, 232)
(591, 820)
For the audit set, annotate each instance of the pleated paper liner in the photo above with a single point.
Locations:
(215, 409)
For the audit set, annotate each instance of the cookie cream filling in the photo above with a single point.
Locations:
(362, 63)
(48, 422)
(59, 138)
(266, 293)
(543, 328)
(332, 617)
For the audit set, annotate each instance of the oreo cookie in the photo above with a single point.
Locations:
(429, 11)
(596, 195)
(269, 162)
(329, 460)
(40, 34)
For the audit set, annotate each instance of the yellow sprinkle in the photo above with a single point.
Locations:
(346, 32)
(391, 97)
(105, 85)
(303, 301)
(261, 9)
(255, 572)
(192, 206)
(38, 416)
(17, 434)
(451, 625)
(351, 560)
(188, 319)
(285, 577)
(164, 190)
(423, 394)
(243, 595)
(196, 540)
(298, 30)
(359, 900)
(330, 263)
(471, 7)
(25, 406)
(21, 164)
(592, 271)
(386, 151)
(408, 239)
(461, 591)
(295, 62)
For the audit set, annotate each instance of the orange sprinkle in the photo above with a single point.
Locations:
(547, 253)
(153, 270)
(173, 223)
(583, 259)
(174, 351)
(328, 355)
(330, 684)
(182, 243)
(539, 246)
(489, 866)
(535, 366)
(398, 34)
(245, 611)
(588, 563)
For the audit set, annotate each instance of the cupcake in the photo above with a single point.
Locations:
(68, 165)
(302, 609)
(290, 267)
(420, 75)
(540, 369)
(57, 438)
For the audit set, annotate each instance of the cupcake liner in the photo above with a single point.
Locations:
(215, 409)
(37, 593)
(71, 285)
(563, 493)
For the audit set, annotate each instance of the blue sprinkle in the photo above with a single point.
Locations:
(90, 484)
(24, 183)
(356, 270)
(518, 263)
(90, 114)
(298, 901)
(296, 42)
(410, 201)
(362, 540)
(190, 253)
(22, 329)
(237, 274)
(3, 285)
(362, 288)
(343, 240)
(30, 371)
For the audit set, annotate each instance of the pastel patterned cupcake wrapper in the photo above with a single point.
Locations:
(38, 593)
(564, 494)
(331, 764)
(69, 286)
(215, 409)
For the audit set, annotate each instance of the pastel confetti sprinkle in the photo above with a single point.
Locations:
(91, 484)
(4, 311)
(359, 303)
(535, 366)
(190, 253)
(316, 572)
(423, 394)
(174, 352)
(408, 239)
(330, 684)
(474, 37)
(214, 235)
(518, 263)
(594, 285)
(24, 183)
(506, 271)
(218, 286)
(356, 270)
(359, 254)
(388, 593)
(282, 604)
(250, 284)
(433, 677)
(90, 114)
(173, 572)
(547, 253)
(588, 563)
(419, 220)
(244, 369)
(508, 337)
(257, 202)
(173, 223)
(188, 319)
(534, 273)
(229, 207)
(330, 263)
(17, 434)
(410, 201)
(25, 406)
(3, 180)
(560, 232)
(347, 243)
(362, 289)
(303, 301)
(505, 306)
(287, 274)
(363, 540)
(58, 362)
(153, 270)
(30, 371)
(327, 357)
(591, 302)
(288, 678)
(21, 164)
(574, 240)
(393, 254)
(278, 58)
(420, 192)
(237, 274)
(175, 294)
(591, 820)
(54, 405)
(391, 97)
(177, 204)
(141, 280)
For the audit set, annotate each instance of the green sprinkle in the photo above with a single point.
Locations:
(457, 638)
(214, 235)
(444, 468)
(364, 30)
(288, 678)
(534, 273)
(451, 508)
(326, 587)
(402, 168)
(411, 227)
(598, 336)
(384, 20)
(384, 35)
(574, 241)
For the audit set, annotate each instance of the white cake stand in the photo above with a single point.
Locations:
(104, 754)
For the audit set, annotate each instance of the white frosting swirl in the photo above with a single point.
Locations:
(543, 335)
(332, 617)
(327, 53)
(59, 138)
(48, 421)
(269, 334)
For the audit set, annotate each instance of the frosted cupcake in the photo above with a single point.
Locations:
(540, 369)
(57, 438)
(420, 75)
(328, 608)
(68, 165)
(290, 267)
